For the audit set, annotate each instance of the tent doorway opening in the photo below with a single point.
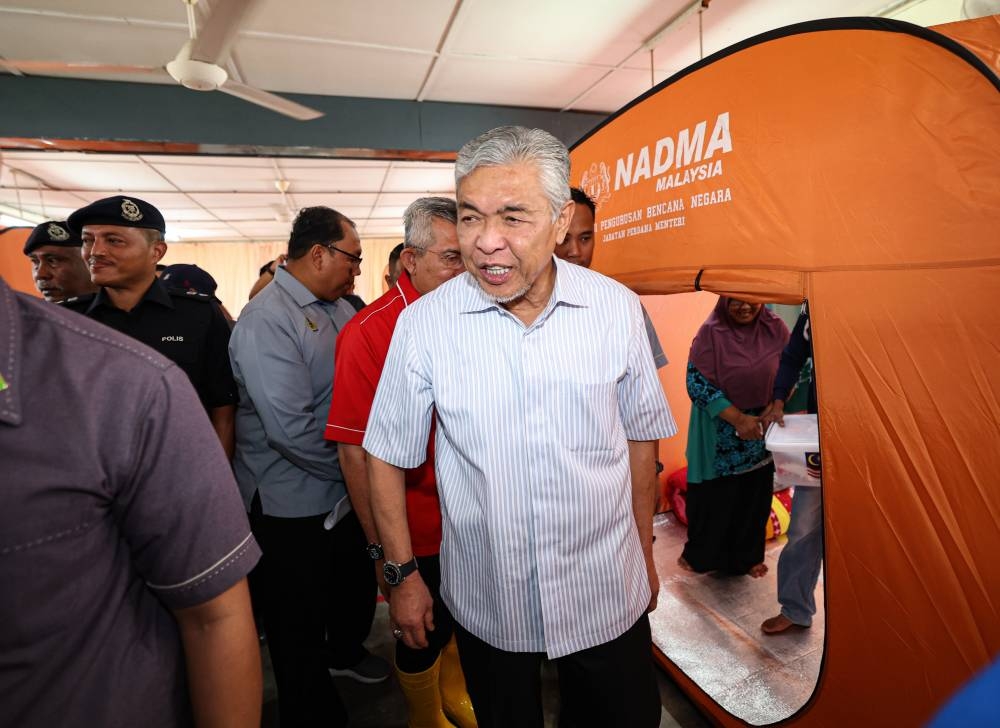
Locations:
(720, 629)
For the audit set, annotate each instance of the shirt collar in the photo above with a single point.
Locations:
(11, 341)
(568, 289)
(156, 293)
(294, 287)
(406, 289)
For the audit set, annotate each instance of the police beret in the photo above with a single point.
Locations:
(118, 210)
(191, 277)
(51, 232)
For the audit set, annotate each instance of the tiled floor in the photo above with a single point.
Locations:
(709, 626)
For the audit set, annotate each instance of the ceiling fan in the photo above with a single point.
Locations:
(199, 63)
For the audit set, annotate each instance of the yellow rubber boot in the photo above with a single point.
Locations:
(454, 696)
(423, 697)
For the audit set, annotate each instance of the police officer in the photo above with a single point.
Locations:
(122, 243)
(190, 277)
(56, 265)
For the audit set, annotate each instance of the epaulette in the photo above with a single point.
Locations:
(77, 303)
(190, 293)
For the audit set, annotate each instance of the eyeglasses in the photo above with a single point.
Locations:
(449, 258)
(354, 258)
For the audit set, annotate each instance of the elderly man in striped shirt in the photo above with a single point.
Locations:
(548, 412)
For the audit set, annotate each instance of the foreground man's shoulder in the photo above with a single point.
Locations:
(77, 303)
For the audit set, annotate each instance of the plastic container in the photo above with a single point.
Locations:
(796, 451)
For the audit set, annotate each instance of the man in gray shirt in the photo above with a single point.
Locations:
(315, 581)
(123, 545)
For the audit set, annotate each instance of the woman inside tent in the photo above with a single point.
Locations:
(731, 370)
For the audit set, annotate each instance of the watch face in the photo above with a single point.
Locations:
(375, 551)
(392, 575)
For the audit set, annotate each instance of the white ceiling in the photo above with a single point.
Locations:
(221, 198)
(554, 54)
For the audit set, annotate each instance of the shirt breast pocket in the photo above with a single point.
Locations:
(585, 415)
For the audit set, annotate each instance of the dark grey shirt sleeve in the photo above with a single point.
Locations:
(659, 358)
(178, 505)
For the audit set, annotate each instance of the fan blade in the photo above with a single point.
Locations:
(219, 30)
(270, 101)
(58, 68)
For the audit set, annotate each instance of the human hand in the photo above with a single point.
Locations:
(279, 261)
(749, 428)
(774, 412)
(654, 585)
(412, 610)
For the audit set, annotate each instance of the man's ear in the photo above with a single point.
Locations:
(563, 220)
(317, 256)
(408, 257)
(159, 250)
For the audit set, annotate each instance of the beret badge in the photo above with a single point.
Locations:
(56, 232)
(131, 211)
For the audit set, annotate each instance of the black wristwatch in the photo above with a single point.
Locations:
(395, 573)
(375, 552)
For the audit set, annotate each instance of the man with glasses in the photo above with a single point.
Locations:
(282, 351)
(430, 257)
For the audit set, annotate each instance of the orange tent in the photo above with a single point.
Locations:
(14, 267)
(855, 163)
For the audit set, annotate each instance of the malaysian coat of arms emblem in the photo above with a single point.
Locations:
(596, 183)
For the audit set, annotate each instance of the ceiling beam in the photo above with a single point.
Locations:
(102, 111)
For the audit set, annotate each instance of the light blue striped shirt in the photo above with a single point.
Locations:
(540, 551)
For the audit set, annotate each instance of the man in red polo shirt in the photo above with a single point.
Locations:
(429, 258)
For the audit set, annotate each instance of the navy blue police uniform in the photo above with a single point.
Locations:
(185, 326)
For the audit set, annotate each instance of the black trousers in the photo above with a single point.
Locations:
(413, 661)
(727, 518)
(350, 599)
(307, 579)
(607, 686)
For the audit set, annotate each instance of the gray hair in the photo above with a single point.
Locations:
(152, 236)
(516, 145)
(417, 229)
